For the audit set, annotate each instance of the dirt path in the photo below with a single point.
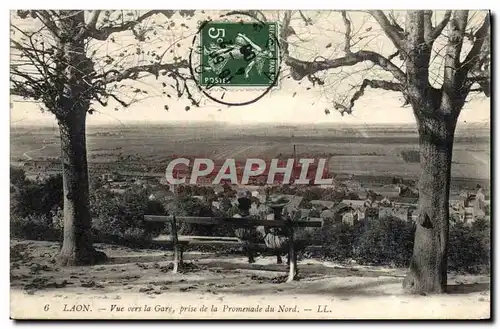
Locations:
(37, 150)
(224, 287)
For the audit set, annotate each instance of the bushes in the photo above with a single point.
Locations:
(36, 212)
(389, 241)
(34, 227)
(35, 198)
(337, 240)
(469, 248)
(119, 218)
(385, 241)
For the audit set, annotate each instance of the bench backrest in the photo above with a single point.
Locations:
(235, 222)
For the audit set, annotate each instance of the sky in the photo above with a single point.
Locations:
(290, 103)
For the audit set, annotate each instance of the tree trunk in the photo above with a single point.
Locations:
(77, 246)
(428, 266)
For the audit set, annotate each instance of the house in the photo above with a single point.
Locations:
(257, 210)
(293, 202)
(140, 181)
(348, 218)
(399, 212)
(388, 191)
(343, 177)
(355, 203)
(336, 212)
(470, 215)
(199, 197)
(204, 180)
(262, 198)
(406, 201)
(457, 203)
(216, 204)
(361, 213)
(119, 185)
(304, 213)
(327, 214)
(362, 194)
(352, 185)
(353, 216)
(479, 203)
(465, 215)
(218, 189)
(161, 195)
(457, 215)
(323, 204)
(385, 202)
(415, 214)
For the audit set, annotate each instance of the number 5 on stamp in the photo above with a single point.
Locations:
(239, 54)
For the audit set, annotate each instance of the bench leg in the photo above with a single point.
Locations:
(292, 256)
(181, 257)
(247, 250)
(176, 259)
(278, 257)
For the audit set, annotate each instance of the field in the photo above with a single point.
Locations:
(359, 150)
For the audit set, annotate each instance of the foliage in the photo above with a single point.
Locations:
(120, 217)
(35, 198)
(337, 241)
(33, 227)
(385, 241)
(411, 156)
(469, 248)
(17, 176)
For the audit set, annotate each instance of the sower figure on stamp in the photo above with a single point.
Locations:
(248, 235)
(243, 48)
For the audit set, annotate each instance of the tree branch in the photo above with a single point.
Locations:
(104, 32)
(133, 72)
(300, 69)
(389, 29)
(451, 83)
(427, 24)
(307, 21)
(479, 38)
(394, 22)
(379, 84)
(46, 18)
(440, 27)
(347, 24)
(93, 20)
(482, 78)
(285, 24)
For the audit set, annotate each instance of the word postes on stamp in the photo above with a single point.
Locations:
(243, 54)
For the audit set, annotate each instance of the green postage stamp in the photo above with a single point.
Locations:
(242, 54)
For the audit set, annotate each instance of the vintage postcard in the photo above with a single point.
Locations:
(285, 164)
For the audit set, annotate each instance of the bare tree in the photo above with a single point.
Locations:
(410, 69)
(61, 60)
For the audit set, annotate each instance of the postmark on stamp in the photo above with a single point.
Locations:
(236, 53)
(243, 54)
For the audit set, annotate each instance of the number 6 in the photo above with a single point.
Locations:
(46, 307)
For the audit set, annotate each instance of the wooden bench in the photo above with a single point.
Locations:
(245, 222)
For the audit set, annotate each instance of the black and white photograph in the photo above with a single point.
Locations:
(250, 164)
